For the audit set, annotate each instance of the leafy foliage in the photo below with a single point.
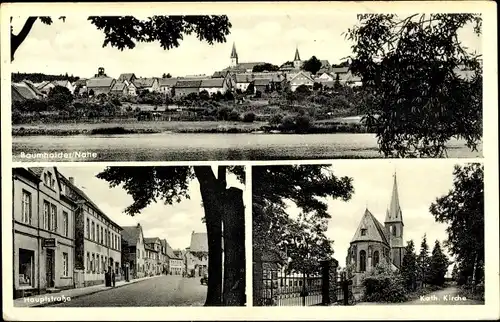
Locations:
(409, 268)
(383, 285)
(40, 77)
(424, 260)
(413, 67)
(438, 266)
(312, 65)
(266, 67)
(123, 32)
(463, 210)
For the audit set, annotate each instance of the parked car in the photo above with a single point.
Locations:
(204, 280)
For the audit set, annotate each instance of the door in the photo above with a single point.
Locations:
(49, 268)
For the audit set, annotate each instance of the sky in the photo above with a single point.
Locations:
(75, 46)
(420, 183)
(174, 223)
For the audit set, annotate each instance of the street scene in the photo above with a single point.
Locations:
(246, 87)
(346, 235)
(96, 236)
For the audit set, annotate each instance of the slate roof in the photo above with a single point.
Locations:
(262, 81)
(199, 242)
(167, 81)
(244, 78)
(126, 77)
(212, 82)
(151, 240)
(33, 87)
(82, 82)
(100, 82)
(118, 87)
(131, 234)
(24, 91)
(375, 231)
(144, 82)
(188, 84)
(149, 247)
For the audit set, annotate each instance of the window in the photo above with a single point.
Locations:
(26, 267)
(65, 224)
(65, 264)
(102, 236)
(93, 231)
(103, 264)
(375, 258)
(88, 263)
(105, 237)
(53, 218)
(363, 232)
(88, 228)
(46, 214)
(362, 261)
(98, 263)
(393, 230)
(93, 263)
(26, 207)
(97, 228)
(63, 188)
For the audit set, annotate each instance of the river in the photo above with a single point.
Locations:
(205, 147)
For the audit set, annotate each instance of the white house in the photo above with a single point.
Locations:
(149, 84)
(300, 78)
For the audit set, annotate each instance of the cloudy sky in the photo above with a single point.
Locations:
(419, 184)
(175, 223)
(75, 46)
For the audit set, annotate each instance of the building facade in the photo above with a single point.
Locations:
(196, 257)
(133, 247)
(43, 232)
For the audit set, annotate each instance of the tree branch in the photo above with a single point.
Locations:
(17, 40)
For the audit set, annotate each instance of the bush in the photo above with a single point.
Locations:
(382, 285)
(302, 123)
(223, 114)
(275, 119)
(234, 116)
(287, 123)
(258, 94)
(249, 117)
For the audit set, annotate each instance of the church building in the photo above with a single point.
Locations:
(374, 243)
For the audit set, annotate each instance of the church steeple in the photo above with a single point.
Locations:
(234, 56)
(297, 56)
(394, 213)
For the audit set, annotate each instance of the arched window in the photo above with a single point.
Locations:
(362, 261)
(375, 258)
(393, 228)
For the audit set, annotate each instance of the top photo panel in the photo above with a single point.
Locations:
(270, 86)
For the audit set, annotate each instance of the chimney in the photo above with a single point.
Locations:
(71, 180)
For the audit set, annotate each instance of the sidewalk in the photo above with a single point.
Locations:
(54, 298)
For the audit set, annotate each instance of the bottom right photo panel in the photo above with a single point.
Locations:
(368, 233)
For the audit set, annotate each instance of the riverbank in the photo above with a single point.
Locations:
(150, 127)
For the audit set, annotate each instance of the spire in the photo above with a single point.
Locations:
(234, 54)
(394, 212)
(297, 56)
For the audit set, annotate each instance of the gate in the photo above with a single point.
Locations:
(291, 289)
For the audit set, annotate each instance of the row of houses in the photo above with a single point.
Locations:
(62, 239)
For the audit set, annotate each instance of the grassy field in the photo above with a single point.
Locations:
(133, 125)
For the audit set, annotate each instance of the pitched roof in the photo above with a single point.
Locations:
(234, 54)
(62, 83)
(303, 73)
(244, 78)
(340, 70)
(262, 81)
(144, 82)
(167, 81)
(199, 242)
(374, 229)
(100, 82)
(81, 82)
(126, 77)
(249, 65)
(394, 213)
(118, 87)
(188, 84)
(43, 84)
(131, 234)
(149, 247)
(24, 91)
(212, 82)
(170, 252)
(219, 74)
(16, 96)
(151, 240)
(33, 87)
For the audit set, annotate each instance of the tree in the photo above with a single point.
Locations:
(336, 84)
(223, 207)
(302, 90)
(424, 261)
(266, 67)
(463, 210)
(59, 97)
(204, 95)
(409, 268)
(166, 75)
(250, 89)
(312, 65)
(454, 273)
(438, 265)
(274, 231)
(125, 31)
(317, 86)
(413, 66)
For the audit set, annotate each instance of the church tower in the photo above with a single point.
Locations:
(296, 60)
(394, 226)
(234, 56)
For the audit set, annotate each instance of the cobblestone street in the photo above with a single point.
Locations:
(161, 291)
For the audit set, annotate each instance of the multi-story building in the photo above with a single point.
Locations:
(197, 255)
(154, 247)
(133, 251)
(97, 239)
(43, 230)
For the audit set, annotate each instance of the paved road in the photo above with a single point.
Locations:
(159, 291)
(447, 296)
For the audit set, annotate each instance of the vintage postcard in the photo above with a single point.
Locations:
(249, 161)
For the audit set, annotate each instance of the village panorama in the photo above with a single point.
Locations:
(304, 107)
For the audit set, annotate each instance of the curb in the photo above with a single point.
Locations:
(93, 292)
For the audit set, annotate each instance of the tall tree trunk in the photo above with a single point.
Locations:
(233, 219)
(17, 40)
(211, 197)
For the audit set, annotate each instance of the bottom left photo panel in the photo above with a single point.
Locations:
(125, 236)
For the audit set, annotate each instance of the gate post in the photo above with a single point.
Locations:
(325, 282)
